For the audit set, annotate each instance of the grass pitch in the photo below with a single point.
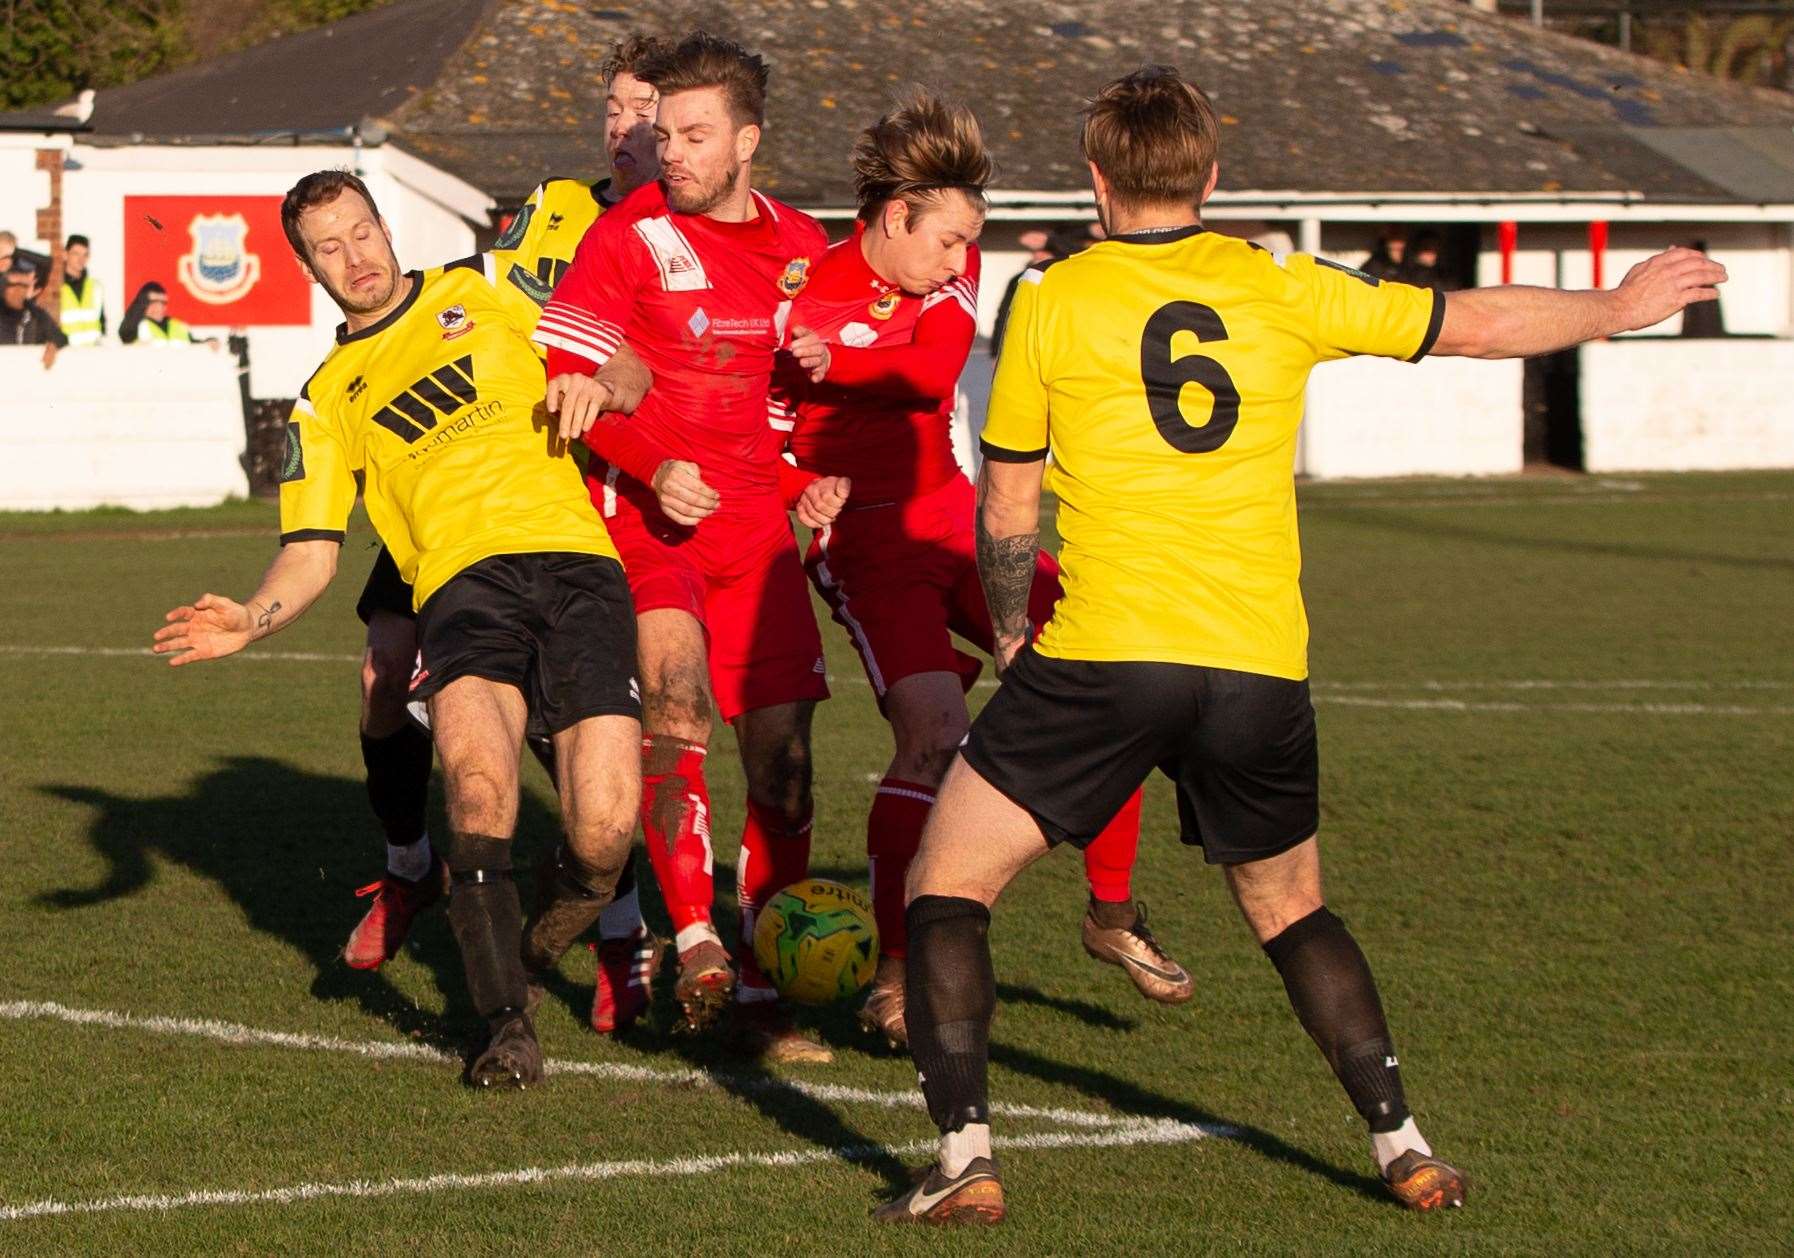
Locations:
(1558, 789)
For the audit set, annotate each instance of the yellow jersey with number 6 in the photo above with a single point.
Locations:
(1165, 372)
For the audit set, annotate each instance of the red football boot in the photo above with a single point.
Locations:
(381, 932)
(626, 969)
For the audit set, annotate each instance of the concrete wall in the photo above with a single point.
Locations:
(24, 189)
(427, 210)
(1440, 416)
(120, 426)
(1687, 405)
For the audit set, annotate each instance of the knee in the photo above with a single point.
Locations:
(779, 778)
(925, 750)
(600, 843)
(385, 685)
(480, 799)
(677, 704)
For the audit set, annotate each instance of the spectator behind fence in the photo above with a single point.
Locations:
(83, 308)
(1703, 319)
(147, 322)
(1388, 255)
(22, 320)
(1423, 268)
(10, 253)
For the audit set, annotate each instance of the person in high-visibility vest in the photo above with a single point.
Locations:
(148, 322)
(83, 304)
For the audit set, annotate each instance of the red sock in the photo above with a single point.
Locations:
(1109, 860)
(893, 832)
(676, 832)
(775, 852)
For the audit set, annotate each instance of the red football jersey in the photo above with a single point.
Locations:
(883, 416)
(705, 303)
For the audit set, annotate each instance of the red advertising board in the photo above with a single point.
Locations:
(223, 260)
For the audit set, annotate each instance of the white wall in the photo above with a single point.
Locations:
(24, 189)
(120, 426)
(428, 212)
(1673, 405)
(1440, 416)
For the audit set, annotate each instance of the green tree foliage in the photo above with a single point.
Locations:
(51, 49)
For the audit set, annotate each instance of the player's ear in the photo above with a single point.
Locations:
(896, 216)
(1208, 189)
(1098, 184)
(747, 140)
(386, 232)
(311, 276)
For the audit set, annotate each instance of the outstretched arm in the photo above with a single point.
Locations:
(1008, 536)
(1519, 322)
(213, 626)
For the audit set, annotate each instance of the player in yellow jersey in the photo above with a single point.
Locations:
(435, 394)
(534, 252)
(1164, 370)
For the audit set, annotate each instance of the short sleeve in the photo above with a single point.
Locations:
(317, 479)
(595, 299)
(1355, 313)
(525, 227)
(1015, 430)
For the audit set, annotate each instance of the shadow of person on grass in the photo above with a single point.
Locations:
(289, 847)
(1135, 1101)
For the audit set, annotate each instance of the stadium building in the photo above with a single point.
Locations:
(1530, 156)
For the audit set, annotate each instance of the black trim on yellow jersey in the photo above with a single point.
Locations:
(1433, 324)
(344, 336)
(313, 535)
(598, 190)
(998, 454)
(1160, 235)
(473, 262)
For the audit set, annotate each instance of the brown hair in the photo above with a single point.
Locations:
(917, 151)
(1154, 136)
(629, 54)
(321, 187)
(705, 60)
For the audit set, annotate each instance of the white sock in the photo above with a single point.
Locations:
(622, 917)
(1390, 1145)
(695, 934)
(958, 1148)
(410, 862)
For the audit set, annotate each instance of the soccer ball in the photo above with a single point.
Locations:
(817, 941)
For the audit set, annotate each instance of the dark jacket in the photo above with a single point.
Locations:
(32, 325)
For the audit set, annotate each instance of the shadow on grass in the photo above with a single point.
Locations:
(1134, 1100)
(288, 847)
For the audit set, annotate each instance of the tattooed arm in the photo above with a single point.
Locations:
(1008, 532)
(214, 626)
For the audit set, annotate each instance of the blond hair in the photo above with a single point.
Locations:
(924, 147)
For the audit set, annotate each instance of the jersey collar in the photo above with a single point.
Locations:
(344, 336)
(1159, 235)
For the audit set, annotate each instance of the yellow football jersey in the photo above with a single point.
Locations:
(1166, 371)
(440, 404)
(541, 240)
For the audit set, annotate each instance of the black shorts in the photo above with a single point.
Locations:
(558, 626)
(1070, 740)
(386, 590)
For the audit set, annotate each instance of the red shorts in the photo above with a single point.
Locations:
(738, 576)
(902, 579)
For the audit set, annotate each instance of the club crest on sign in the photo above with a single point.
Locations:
(797, 274)
(220, 269)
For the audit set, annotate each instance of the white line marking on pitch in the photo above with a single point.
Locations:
(236, 1034)
(1322, 690)
(1145, 1131)
(1090, 1130)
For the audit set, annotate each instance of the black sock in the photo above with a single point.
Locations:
(398, 766)
(1331, 988)
(488, 922)
(950, 995)
(570, 894)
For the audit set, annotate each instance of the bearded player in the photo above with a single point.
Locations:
(882, 333)
(533, 253)
(696, 274)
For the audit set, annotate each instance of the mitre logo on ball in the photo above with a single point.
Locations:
(220, 269)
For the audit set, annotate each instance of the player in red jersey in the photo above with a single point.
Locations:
(697, 273)
(882, 333)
